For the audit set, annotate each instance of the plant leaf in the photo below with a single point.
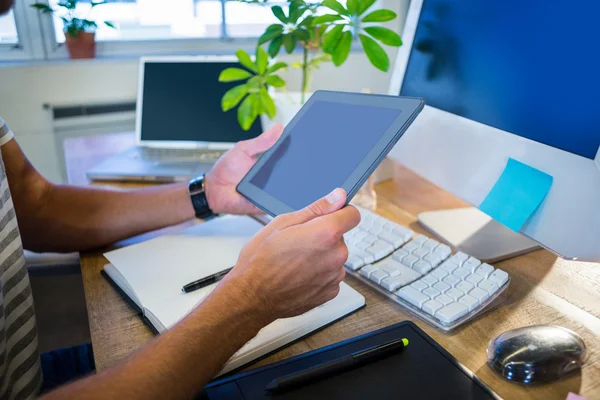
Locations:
(352, 6)
(335, 6)
(245, 60)
(233, 74)
(289, 42)
(296, 10)
(110, 24)
(364, 5)
(375, 53)
(255, 82)
(275, 81)
(384, 35)
(247, 112)
(332, 38)
(267, 103)
(96, 3)
(279, 14)
(270, 33)
(233, 96)
(301, 35)
(327, 18)
(341, 51)
(262, 60)
(276, 67)
(275, 46)
(379, 16)
(44, 8)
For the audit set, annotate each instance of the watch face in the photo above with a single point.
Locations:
(196, 185)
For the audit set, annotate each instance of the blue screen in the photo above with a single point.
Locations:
(321, 151)
(529, 67)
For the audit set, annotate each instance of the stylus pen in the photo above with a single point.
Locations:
(334, 367)
(209, 280)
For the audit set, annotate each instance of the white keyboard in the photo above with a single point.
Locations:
(421, 274)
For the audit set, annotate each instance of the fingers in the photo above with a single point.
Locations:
(329, 229)
(325, 205)
(263, 142)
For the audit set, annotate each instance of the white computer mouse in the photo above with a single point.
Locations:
(540, 353)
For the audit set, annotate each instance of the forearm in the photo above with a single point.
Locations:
(71, 218)
(178, 364)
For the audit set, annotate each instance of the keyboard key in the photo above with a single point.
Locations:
(469, 301)
(474, 279)
(420, 239)
(489, 286)
(449, 266)
(442, 287)
(367, 269)
(362, 245)
(410, 260)
(499, 276)
(430, 280)
(461, 273)
(380, 249)
(422, 267)
(360, 233)
(405, 277)
(430, 244)
(485, 270)
(454, 292)
(412, 295)
(439, 273)
(367, 257)
(433, 259)
(389, 226)
(411, 246)
(480, 294)
(370, 238)
(431, 292)
(399, 255)
(471, 264)
(421, 252)
(378, 275)
(391, 270)
(352, 241)
(451, 312)
(392, 238)
(375, 230)
(354, 262)
(419, 285)
(465, 287)
(405, 233)
(460, 258)
(443, 250)
(444, 299)
(451, 280)
(431, 306)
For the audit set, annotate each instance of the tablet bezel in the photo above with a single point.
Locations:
(410, 107)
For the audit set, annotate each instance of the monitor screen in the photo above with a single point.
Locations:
(328, 143)
(527, 67)
(182, 102)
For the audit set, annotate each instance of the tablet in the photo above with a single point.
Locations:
(337, 139)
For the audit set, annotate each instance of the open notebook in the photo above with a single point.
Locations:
(152, 274)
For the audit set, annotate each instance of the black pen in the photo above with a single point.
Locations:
(209, 280)
(334, 367)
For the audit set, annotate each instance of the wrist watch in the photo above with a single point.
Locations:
(198, 197)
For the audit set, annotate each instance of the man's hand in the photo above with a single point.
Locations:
(229, 170)
(297, 261)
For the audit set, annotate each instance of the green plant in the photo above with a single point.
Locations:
(306, 25)
(72, 21)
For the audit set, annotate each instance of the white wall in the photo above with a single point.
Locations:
(24, 89)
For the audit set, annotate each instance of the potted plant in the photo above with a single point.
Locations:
(80, 32)
(322, 38)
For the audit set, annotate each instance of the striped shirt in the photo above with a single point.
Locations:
(20, 370)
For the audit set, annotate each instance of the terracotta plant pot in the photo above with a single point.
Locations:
(82, 46)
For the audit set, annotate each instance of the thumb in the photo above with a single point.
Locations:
(264, 142)
(325, 205)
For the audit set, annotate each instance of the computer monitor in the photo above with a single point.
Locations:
(179, 103)
(514, 79)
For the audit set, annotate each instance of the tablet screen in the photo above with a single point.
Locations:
(322, 150)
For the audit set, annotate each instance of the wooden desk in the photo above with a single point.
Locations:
(544, 290)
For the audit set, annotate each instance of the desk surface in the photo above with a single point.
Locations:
(544, 290)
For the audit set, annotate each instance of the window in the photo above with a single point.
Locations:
(8, 29)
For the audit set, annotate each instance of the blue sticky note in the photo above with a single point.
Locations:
(517, 194)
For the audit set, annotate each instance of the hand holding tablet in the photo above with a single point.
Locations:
(337, 139)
